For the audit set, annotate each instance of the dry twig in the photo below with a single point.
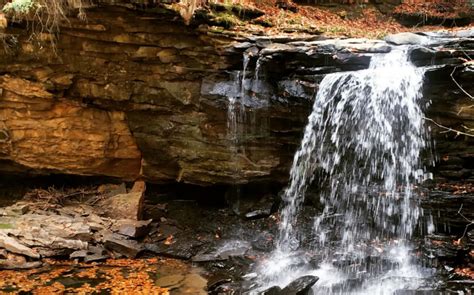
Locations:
(449, 129)
(53, 196)
(459, 85)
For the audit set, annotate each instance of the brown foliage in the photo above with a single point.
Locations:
(435, 8)
(121, 276)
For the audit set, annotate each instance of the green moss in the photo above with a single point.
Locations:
(225, 19)
(242, 12)
(20, 6)
(263, 22)
(295, 20)
(335, 29)
(236, 9)
(381, 35)
(6, 226)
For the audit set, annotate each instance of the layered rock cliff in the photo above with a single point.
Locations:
(135, 93)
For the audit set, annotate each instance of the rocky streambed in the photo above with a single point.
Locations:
(214, 247)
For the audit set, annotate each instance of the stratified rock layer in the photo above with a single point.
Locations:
(135, 93)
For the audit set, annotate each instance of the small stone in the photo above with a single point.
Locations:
(95, 257)
(96, 249)
(20, 208)
(300, 286)
(216, 281)
(263, 242)
(249, 276)
(12, 245)
(13, 261)
(78, 254)
(237, 252)
(127, 248)
(133, 228)
(6, 264)
(260, 213)
(275, 290)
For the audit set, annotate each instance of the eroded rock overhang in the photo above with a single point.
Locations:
(138, 94)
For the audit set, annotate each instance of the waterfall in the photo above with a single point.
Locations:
(236, 108)
(257, 71)
(246, 58)
(363, 140)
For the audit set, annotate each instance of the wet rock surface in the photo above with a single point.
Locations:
(451, 211)
(300, 286)
(212, 236)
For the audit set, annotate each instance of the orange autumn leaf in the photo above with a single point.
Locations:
(169, 240)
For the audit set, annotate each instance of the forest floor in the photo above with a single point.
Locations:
(367, 20)
(114, 276)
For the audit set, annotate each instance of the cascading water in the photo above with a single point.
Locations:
(363, 139)
(235, 109)
(242, 104)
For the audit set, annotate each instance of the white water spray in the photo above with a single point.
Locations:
(363, 139)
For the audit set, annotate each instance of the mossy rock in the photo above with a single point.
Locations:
(263, 22)
(226, 20)
(223, 19)
(240, 11)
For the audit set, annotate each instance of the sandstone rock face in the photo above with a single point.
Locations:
(137, 94)
(42, 132)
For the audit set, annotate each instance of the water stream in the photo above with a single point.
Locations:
(363, 140)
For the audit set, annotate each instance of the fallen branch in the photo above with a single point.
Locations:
(464, 108)
(459, 85)
(449, 129)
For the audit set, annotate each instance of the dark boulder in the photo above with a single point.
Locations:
(300, 286)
